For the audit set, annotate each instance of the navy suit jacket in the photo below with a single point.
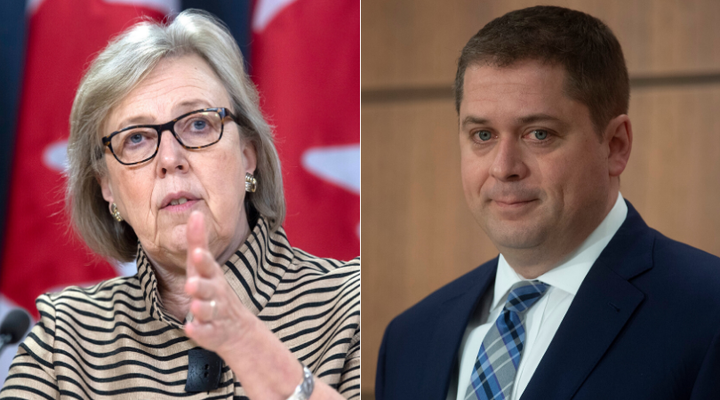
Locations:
(645, 324)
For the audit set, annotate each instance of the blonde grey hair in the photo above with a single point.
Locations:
(117, 70)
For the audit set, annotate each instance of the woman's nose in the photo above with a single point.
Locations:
(171, 156)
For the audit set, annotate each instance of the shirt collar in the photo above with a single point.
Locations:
(254, 271)
(567, 276)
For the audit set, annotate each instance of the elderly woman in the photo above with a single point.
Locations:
(172, 165)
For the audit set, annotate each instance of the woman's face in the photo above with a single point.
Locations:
(210, 179)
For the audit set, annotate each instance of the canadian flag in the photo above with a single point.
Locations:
(306, 64)
(39, 255)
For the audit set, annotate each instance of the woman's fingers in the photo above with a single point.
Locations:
(218, 328)
(216, 310)
(196, 241)
(204, 334)
(201, 288)
(205, 311)
(199, 260)
(217, 320)
(203, 264)
(195, 231)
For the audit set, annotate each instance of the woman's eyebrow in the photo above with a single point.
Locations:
(193, 103)
(134, 120)
(147, 119)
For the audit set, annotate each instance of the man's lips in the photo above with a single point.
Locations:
(513, 202)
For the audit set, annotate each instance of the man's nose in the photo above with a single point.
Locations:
(508, 162)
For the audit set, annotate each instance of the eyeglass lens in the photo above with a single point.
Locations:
(194, 130)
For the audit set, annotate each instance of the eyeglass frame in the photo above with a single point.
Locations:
(170, 126)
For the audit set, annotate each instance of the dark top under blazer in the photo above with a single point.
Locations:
(645, 324)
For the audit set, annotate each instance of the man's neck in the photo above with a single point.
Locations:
(533, 262)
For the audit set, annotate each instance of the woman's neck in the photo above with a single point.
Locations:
(171, 290)
(171, 280)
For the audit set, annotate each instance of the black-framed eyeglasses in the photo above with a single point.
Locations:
(195, 130)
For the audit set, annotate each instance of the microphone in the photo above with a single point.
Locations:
(13, 327)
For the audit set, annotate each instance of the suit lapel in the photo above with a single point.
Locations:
(452, 317)
(604, 303)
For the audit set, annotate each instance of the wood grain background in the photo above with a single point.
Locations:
(417, 233)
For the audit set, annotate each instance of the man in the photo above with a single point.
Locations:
(585, 301)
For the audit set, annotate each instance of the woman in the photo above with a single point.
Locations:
(165, 128)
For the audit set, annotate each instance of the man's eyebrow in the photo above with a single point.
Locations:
(529, 119)
(538, 118)
(470, 120)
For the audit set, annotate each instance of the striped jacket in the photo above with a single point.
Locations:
(115, 340)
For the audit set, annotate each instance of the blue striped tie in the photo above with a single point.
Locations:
(499, 356)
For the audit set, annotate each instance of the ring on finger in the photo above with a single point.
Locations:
(213, 305)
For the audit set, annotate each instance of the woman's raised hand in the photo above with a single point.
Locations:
(219, 318)
(221, 323)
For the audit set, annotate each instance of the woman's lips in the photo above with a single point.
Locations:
(181, 206)
(175, 199)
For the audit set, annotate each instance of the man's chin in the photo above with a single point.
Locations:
(511, 235)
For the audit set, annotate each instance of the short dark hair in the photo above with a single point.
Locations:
(582, 44)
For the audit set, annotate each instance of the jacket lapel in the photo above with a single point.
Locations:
(604, 303)
(452, 317)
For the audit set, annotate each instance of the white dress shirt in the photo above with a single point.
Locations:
(544, 317)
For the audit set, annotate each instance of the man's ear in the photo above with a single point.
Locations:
(619, 137)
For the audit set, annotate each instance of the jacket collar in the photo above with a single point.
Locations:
(450, 319)
(254, 271)
(604, 304)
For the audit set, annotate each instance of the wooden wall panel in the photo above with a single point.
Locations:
(406, 43)
(417, 233)
(673, 177)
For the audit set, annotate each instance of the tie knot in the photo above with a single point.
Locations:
(524, 294)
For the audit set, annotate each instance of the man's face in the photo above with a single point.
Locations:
(534, 170)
